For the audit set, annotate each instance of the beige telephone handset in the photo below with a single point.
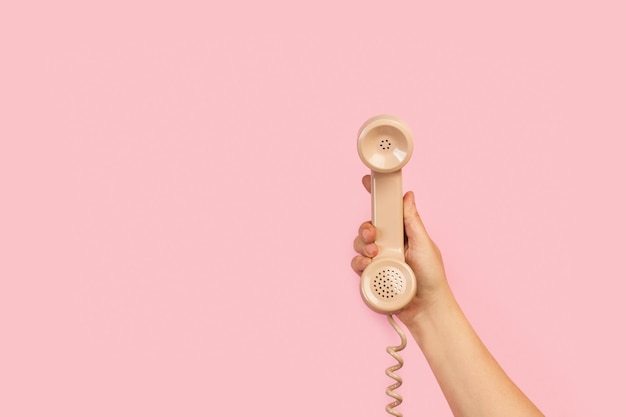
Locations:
(388, 284)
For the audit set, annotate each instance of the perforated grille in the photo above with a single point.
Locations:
(388, 283)
(384, 144)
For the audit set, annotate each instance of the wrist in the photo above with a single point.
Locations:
(433, 312)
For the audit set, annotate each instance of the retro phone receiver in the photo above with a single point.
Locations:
(385, 145)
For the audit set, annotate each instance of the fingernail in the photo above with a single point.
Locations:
(365, 233)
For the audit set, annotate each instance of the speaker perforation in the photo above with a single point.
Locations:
(388, 283)
(385, 144)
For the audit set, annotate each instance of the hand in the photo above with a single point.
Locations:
(421, 254)
(452, 348)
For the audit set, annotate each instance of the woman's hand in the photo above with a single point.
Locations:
(421, 254)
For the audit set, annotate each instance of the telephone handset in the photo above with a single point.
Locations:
(388, 284)
(385, 145)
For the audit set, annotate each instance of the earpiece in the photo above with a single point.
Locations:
(385, 145)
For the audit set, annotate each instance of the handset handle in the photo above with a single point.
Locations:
(387, 214)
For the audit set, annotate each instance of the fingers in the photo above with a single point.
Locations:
(367, 232)
(364, 242)
(413, 226)
(366, 248)
(359, 263)
(367, 182)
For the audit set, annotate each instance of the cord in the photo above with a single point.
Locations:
(393, 351)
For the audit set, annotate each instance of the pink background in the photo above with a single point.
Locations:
(180, 188)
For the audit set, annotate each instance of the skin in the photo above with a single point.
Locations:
(472, 381)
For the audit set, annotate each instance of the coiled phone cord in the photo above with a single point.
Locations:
(393, 351)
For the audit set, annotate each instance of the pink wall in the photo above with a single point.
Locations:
(180, 189)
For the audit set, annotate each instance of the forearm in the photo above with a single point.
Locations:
(472, 381)
(470, 378)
